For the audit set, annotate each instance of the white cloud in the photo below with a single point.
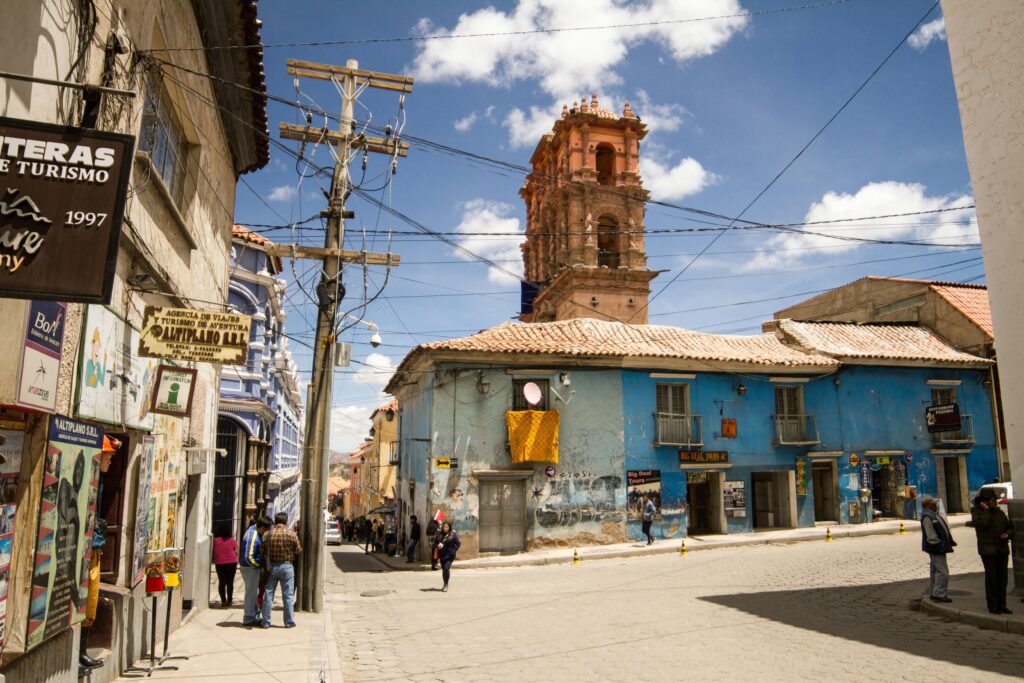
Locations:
(957, 226)
(376, 370)
(282, 193)
(658, 117)
(485, 216)
(933, 30)
(526, 129)
(466, 122)
(669, 183)
(349, 426)
(569, 61)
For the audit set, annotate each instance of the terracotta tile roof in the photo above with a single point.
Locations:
(390, 405)
(883, 342)
(589, 337)
(971, 301)
(245, 234)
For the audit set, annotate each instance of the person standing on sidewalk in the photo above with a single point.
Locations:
(648, 512)
(225, 556)
(937, 541)
(446, 551)
(434, 536)
(280, 546)
(414, 539)
(994, 532)
(251, 562)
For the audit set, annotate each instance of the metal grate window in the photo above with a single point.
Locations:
(163, 139)
(519, 401)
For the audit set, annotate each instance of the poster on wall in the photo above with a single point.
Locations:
(172, 394)
(40, 356)
(638, 484)
(114, 384)
(13, 433)
(801, 476)
(734, 498)
(142, 509)
(167, 487)
(60, 579)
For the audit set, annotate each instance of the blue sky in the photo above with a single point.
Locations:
(729, 102)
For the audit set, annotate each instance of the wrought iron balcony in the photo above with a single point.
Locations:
(675, 429)
(607, 258)
(961, 437)
(796, 430)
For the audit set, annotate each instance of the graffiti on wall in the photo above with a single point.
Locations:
(571, 498)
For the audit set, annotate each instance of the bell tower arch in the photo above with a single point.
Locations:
(584, 250)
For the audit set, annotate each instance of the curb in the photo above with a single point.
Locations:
(989, 622)
(596, 553)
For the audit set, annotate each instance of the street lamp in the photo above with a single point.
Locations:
(375, 340)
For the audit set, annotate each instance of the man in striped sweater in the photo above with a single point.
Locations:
(251, 562)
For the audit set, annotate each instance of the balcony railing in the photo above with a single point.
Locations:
(393, 453)
(675, 429)
(961, 437)
(608, 258)
(796, 430)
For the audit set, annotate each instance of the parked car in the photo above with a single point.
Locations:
(332, 532)
(1003, 493)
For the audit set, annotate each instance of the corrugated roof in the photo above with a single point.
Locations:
(874, 341)
(971, 300)
(590, 337)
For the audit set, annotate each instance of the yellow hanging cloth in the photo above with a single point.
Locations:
(533, 435)
(94, 588)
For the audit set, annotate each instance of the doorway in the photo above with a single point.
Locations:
(698, 503)
(951, 476)
(502, 515)
(773, 498)
(823, 476)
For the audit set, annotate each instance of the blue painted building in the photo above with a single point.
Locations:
(807, 423)
(260, 422)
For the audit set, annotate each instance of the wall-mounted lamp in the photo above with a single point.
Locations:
(482, 385)
(563, 377)
(741, 389)
(143, 281)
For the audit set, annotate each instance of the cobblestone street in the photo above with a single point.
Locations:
(804, 611)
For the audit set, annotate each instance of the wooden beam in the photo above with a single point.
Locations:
(290, 131)
(371, 258)
(342, 70)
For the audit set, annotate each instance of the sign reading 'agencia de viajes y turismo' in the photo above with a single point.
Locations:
(200, 336)
(62, 194)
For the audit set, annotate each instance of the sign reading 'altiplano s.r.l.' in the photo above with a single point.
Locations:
(189, 335)
(62, 193)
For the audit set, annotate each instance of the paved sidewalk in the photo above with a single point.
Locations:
(220, 648)
(661, 547)
(969, 607)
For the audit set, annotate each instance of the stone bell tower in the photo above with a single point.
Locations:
(584, 247)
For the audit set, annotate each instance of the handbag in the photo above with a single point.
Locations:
(435, 553)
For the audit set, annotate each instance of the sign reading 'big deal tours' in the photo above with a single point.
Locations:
(62, 193)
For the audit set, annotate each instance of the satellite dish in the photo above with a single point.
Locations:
(532, 393)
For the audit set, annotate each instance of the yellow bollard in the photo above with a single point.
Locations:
(575, 557)
(828, 535)
(682, 548)
(903, 529)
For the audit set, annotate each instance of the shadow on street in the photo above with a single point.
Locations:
(351, 558)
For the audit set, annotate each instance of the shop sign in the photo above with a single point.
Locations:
(854, 460)
(549, 471)
(186, 334)
(13, 432)
(734, 497)
(114, 385)
(173, 389)
(62, 202)
(60, 579)
(801, 476)
(442, 463)
(943, 418)
(728, 428)
(40, 356)
(703, 457)
(883, 460)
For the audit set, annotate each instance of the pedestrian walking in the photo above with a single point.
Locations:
(937, 541)
(446, 551)
(649, 510)
(994, 532)
(414, 538)
(280, 546)
(225, 557)
(433, 535)
(251, 564)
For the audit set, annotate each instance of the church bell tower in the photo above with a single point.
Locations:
(584, 250)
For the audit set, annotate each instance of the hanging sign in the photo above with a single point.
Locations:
(40, 356)
(172, 391)
(728, 428)
(62, 193)
(943, 418)
(190, 335)
(442, 463)
(854, 460)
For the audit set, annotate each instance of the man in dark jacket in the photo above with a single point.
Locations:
(994, 532)
(937, 541)
(414, 538)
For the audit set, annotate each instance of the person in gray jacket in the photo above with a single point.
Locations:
(937, 541)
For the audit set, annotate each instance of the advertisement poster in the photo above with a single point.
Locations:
(62, 199)
(173, 393)
(639, 483)
(13, 432)
(801, 476)
(115, 385)
(40, 356)
(734, 498)
(142, 508)
(60, 580)
(167, 488)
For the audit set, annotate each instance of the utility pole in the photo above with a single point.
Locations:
(329, 292)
